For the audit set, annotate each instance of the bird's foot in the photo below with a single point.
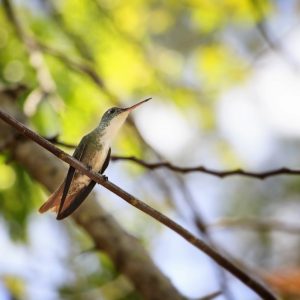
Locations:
(105, 177)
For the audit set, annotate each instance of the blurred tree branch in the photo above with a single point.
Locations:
(274, 45)
(76, 39)
(257, 224)
(89, 222)
(45, 81)
(75, 65)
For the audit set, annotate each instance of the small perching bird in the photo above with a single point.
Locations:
(94, 152)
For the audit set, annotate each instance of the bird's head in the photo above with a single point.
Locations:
(114, 118)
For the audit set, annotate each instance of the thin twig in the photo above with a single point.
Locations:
(184, 170)
(198, 243)
(54, 140)
(202, 169)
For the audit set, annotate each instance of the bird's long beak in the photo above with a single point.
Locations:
(136, 105)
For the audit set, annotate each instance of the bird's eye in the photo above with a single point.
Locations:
(112, 111)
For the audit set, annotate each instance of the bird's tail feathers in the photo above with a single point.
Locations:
(72, 201)
(53, 201)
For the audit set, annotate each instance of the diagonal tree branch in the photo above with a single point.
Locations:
(217, 257)
(127, 254)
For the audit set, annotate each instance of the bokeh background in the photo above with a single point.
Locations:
(224, 78)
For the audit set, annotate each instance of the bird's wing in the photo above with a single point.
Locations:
(81, 196)
(106, 162)
(78, 153)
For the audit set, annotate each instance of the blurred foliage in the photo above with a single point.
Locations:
(93, 54)
(14, 285)
(19, 195)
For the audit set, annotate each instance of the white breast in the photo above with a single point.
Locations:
(99, 158)
(97, 163)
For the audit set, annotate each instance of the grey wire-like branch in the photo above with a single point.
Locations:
(202, 169)
(188, 236)
(185, 170)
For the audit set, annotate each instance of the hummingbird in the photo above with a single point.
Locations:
(94, 152)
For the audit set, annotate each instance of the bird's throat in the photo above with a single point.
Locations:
(110, 131)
